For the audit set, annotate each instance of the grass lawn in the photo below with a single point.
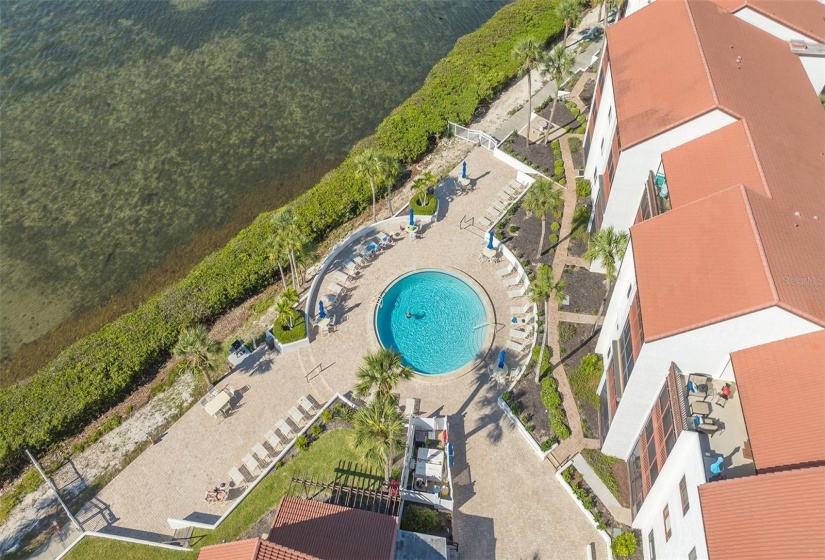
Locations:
(320, 460)
(602, 465)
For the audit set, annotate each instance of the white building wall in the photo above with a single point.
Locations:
(619, 304)
(687, 530)
(635, 163)
(605, 126)
(815, 68)
(773, 27)
(704, 350)
(635, 6)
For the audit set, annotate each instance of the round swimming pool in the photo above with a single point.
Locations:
(434, 319)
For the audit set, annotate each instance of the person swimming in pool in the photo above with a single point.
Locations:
(408, 314)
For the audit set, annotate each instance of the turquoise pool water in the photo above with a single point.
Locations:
(447, 323)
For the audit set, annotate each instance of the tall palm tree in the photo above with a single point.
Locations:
(381, 372)
(571, 12)
(293, 240)
(284, 307)
(369, 166)
(542, 288)
(608, 247)
(196, 350)
(379, 432)
(558, 65)
(390, 167)
(277, 252)
(542, 199)
(528, 52)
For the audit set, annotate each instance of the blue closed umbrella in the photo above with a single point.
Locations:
(501, 359)
(490, 243)
(412, 213)
(321, 313)
(464, 170)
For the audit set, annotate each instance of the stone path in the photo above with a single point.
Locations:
(508, 503)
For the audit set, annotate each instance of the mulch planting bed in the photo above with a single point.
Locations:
(528, 395)
(525, 242)
(585, 289)
(576, 155)
(537, 155)
(563, 116)
(576, 342)
(577, 245)
(587, 92)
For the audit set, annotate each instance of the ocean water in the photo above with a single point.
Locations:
(137, 136)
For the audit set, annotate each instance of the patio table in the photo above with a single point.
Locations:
(217, 404)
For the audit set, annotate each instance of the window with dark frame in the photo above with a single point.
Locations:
(684, 495)
(651, 545)
(626, 349)
(692, 554)
(666, 519)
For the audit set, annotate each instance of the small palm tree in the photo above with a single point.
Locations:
(196, 350)
(608, 247)
(381, 372)
(390, 167)
(571, 12)
(422, 184)
(285, 306)
(277, 253)
(528, 52)
(291, 240)
(558, 65)
(369, 166)
(543, 199)
(542, 288)
(379, 432)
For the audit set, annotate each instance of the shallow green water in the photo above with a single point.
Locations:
(130, 129)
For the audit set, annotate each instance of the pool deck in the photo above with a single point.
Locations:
(508, 503)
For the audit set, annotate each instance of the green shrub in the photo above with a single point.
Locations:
(553, 238)
(316, 430)
(584, 379)
(551, 399)
(562, 181)
(555, 226)
(583, 187)
(557, 153)
(566, 332)
(326, 416)
(396, 474)
(547, 444)
(426, 210)
(602, 465)
(302, 442)
(98, 371)
(28, 484)
(575, 144)
(624, 545)
(581, 129)
(344, 412)
(513, 228)
(419, 519)
(284, 334)
(567, 475)
(555, 144)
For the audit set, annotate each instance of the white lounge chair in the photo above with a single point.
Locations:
(515, 346)
(520, 335)
(516, 371)
(261, 452)
(523, 310)
(342, 276)
(329, 327)
(351, 268)
(236, 477)
(514, 281)
(251, 463)
(305, 403)
(296, 416)
(359, 262)
(274, 440)
(517, 293)
(336, 289)
(284, 428)
(502, 272)
(518, 187)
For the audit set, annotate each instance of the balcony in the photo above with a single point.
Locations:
(658, 196)
(713, 409)
(426, 476)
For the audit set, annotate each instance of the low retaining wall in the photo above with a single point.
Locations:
(523, 431)
(587, 514)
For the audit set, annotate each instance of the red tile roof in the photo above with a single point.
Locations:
(776, 515)
(332, 532)
(787, 375)
(804, 16)
(712, 163)
(251, 549)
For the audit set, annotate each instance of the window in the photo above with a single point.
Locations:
(609, 113)
(666, 518)
(602, 146)
(651, 546)
(629, 289)
(692, 554)
(626, 349)
(683, 493)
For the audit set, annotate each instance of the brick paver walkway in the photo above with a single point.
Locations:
(508, 503)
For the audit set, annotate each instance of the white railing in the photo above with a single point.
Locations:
(474, 136)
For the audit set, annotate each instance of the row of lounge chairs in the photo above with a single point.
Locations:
(506, 197)
(520, 337)
(275, 440)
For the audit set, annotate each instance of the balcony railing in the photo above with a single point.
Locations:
(658, 195)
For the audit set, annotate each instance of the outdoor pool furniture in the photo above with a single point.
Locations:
(698, 385)
(296, 416)
(411, 406)
(284, 428)
(342, 276)
(485, 221)
(513, 345)
(493, 212)
(716, 467)
(516, 371)
(212, 391)
(261, 452)
(517, 293)
(274, 440)
(204, 401)
(351, 268)
(236, 476)
(385, 240)
(526, 308)
(251, 464)
(514, 281)
(336, 289)
(502, 272)
(700, 408)
(359, 262)
(520, 335)
(304, 403)
(327, 325)
(705, 425)
(218, 405)
(518, 187)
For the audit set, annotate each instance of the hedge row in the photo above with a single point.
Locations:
(98, 371)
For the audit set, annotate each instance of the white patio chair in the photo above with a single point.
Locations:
(342, 276)
(491, 211)
(274, 440)
(515, 346)
(296, 416)
(516, 371)
(212, 391)
(351, 268)
(237, 477)
(517, 293)
(204, 401)
(305, 403)
(261, 452)
(284, 428)
(520, 335)
(251, 464)
(485, 221)
(514, 281)
(359, 262)
(336, 289)
(523, 310)
(502, 272)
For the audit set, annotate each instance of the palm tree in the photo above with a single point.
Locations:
(284, 307)
(528, 52)
(381, 372)
(369, 166)
(292, 240)
(422, 183)
(570, 11)
(542, 288)
(607, 247)
(379, 432)
(277, 252)
(558, 64)
(542, 199)
(390, 167)
(196, 350)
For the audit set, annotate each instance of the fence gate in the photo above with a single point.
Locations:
(474, 136)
